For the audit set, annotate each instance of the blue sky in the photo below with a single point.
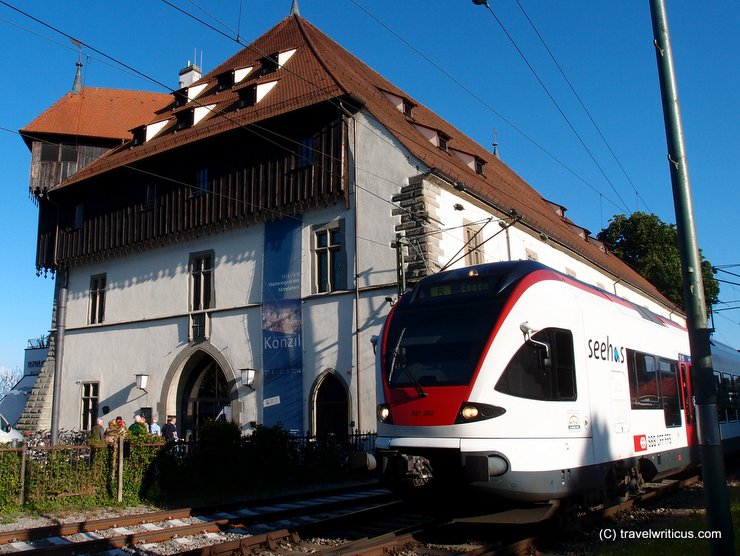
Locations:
(452, 56)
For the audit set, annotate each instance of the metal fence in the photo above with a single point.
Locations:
(121, 471)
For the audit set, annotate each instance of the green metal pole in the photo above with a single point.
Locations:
(713, 468)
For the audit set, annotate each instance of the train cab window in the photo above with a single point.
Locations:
(440, 347)
(534, 373)
(669, 392)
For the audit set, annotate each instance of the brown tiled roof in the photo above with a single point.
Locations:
(321, 70)
(99, 113)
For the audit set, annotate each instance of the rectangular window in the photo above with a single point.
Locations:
(68, 153)
(443, 141)
(720, 391)
(247, 96)
(269, 63)
(202, 183)
(479, 166)
(329, 258)
(201, 281)
(202, 296)
(79, 217)
(97, 299)
(654, 384)
(150, 197)
(184, 119)
(90, 395)
(730, 396)
(305, 153)
(669, 392)
(643, 379)
(49, 152)
(474, 251)
(408, 108)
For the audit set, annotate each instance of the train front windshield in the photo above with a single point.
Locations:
(437, 344)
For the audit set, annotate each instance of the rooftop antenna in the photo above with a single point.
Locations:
(495, 143)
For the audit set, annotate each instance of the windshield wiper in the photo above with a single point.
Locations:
(396, 351)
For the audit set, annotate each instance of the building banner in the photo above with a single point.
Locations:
(282, 326)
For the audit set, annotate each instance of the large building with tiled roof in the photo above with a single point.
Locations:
(82, 126)
(234, 257)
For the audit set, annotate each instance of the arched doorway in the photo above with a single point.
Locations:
(203, 394)
(331, 407)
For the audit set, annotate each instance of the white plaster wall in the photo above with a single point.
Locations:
(146, 313)
(382, 168)
(519, 241)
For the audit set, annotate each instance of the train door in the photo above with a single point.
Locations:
(619, 395)
(687, 398)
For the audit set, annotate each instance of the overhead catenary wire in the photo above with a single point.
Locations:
(248, 128)
(492, 109)
(557, 106)
(580, 101)
(276, 213)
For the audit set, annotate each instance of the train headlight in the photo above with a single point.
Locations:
(384, 413)
(472, 411)
(469, 412)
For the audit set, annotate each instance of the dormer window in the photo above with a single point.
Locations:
(269, 63)
(408, 108)
(442, 141)
(225, 81)
(139, 135)
(184, 119)
(402, 104)
(247, 96)
(479, 165)
(181, 97)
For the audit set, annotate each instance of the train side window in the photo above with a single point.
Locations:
(669, 392)
(528, 375)
(719, 391)
(686, 400)
(643, 378)
(730, 397)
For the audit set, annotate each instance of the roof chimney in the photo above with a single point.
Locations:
(189, 75)
(77, 86)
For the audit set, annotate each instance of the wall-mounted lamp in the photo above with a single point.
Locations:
(141, 381)
(248, 377)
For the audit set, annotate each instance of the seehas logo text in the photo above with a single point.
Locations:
(606, 351)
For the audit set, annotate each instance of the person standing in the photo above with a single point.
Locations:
(154, 428)
(169, 431)
(138, 427)
(97, 432)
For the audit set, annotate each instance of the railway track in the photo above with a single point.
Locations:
(181, 527)
(348, 522)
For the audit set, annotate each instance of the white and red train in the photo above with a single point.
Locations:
(534, 386)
